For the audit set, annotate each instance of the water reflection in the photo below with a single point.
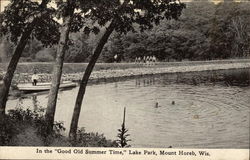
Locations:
(210, 110)
(235, 77)
(35, 102)
(149, 81)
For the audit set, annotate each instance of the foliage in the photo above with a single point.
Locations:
(45, 55)
(20, 13)
(32, 48)
(230, 31)
(201, 36)
(27, 128)
(193, 37)
(18, 18)
(95, 14)
(117, 47)
(123, 137)
(92, 140)
(19, 120)
(122, 134)
(120, 17)
(79, 50)
(6, 49)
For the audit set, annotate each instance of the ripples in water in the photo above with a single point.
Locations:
(196, 110)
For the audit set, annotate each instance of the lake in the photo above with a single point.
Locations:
(196, 110)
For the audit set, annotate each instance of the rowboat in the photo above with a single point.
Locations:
(28, 87)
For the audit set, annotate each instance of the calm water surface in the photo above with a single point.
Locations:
(210, 110)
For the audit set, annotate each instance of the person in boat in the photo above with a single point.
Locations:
(34, 79)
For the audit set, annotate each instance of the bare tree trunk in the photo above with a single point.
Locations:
(85, 78)
(57, 71)
(4, 88)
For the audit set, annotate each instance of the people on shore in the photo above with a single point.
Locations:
(115, 58)
(139, 59)
(146, 60)
(154, 59)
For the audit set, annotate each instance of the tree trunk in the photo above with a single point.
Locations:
(85, 78)
(4, 88)
(57, 71)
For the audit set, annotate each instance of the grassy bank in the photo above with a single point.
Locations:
(109, 71)
(43, 67)
(28, 128)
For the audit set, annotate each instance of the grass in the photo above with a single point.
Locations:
(27, 128)
(46, 67)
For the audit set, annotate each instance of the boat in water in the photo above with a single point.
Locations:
(28, 87)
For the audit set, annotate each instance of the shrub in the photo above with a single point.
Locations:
(123, 134)
(45, 55)
(92, 140)
(28, 128)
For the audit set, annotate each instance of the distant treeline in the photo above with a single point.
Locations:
(205, 31)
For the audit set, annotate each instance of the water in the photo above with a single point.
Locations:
(210, 110)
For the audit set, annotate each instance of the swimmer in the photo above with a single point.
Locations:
(196, 116)
(157, 105)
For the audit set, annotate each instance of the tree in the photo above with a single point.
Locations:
(121, 16)
(45, 55)
(72, 22)
(6, 49)
(20, 19)
(137, 46)
(230, 29)
(32, 48)
(241, 45)
(186, 38)
(114, 47)
(67, 15)
(79, 50)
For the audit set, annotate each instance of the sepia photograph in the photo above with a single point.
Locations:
(166, 74)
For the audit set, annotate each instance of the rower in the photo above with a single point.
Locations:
(34, 79)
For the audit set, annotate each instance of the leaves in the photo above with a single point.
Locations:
(145, 13)
(47, 31)
(77, 23)
(20, 13)
(90, 16)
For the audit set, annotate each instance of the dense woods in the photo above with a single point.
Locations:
(223, 27)
(204, 31)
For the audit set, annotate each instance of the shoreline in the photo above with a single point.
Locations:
(167, 70)
(47, 67)
(143, 70)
